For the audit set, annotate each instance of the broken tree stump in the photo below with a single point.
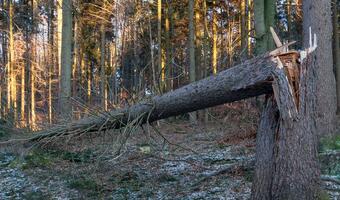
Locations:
(286, 151)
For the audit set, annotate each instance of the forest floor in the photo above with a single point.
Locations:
(214, 161)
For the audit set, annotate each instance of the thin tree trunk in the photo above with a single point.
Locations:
(205, 51)
(58, 41)
(33, 72)
(159, 37)
(102, 68)
(12, 75)
(192, 74)
(214, 37)
(244, 30)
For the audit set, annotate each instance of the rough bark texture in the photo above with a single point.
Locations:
(246, 80)
(260, 27)
(317, 15)
(296, 174)
(192, 74)
(289, 149)
(336, 50)
(265, 141)
(66, 60)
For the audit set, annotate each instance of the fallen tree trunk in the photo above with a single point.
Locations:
(286, 160)
(249, 79)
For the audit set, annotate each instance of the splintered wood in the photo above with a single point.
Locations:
(289, 59)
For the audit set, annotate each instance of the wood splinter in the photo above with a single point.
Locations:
(290, 62)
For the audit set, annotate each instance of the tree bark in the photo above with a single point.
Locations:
(317, 15)
(102, 68)
(265, 141)
(249, 79)
(66, 60)
(336, 50)
(286, 158)
(260, 27)
(192, 74)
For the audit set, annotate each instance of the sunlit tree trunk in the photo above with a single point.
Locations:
(199, 34)
(66, 60)
(51, 58)
(33, 72)
(159, 36)
(167, 49)
(12, 74)
(88, 80)
(214, 38)
(244, 30)
(102, 68)
(58, 41)
(23, 95)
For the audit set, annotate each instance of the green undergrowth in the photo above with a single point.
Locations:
(4, 134)
(36, 195)
(330, 144)
(323, 195)
(128, 183)
(86, 185)
(43, 158)
(330, 156)
(165, 178)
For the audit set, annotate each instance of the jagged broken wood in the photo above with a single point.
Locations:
(286, 150)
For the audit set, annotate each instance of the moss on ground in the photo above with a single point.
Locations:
(330, 144)
(43, 158)
(165, 177)
(36, 195)
(323, 195)
(329, 156)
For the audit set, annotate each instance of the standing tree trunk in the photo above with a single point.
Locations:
(12, 75)
(59, 8)
(33, 70)
(66, 60)
(317, 15)
(270, 11)
(336, 51)
(102, 68)
(192, 74)
(214, 38)
(244, 30)
(260, 27)
(264, 12)
(159, 36)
